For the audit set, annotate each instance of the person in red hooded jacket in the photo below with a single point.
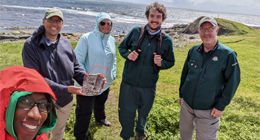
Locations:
(27, 107)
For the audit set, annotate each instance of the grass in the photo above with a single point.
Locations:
(240, 119)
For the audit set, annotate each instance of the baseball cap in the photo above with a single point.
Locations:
(208, 19)
(53, 12)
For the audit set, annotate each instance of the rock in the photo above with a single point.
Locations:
(191, 37)
(193, 27)
(13, 36)
(20, 28)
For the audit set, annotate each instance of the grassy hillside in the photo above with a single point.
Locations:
(233, 28)
(240, 120)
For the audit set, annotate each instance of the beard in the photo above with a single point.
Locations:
(156, 29)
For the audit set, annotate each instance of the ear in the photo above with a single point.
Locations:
(43, 20)
(62, 24)
(217, 30)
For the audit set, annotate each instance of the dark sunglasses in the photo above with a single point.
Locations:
(109, 23)
(28, 104)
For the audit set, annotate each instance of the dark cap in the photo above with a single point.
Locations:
(208, 19)
(53, 12)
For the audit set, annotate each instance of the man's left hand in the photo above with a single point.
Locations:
(216, 113)
(157, 60)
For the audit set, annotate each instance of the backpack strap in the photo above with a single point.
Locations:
(162, 34)
(140, 39)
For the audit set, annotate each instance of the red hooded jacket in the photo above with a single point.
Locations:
(18, 78)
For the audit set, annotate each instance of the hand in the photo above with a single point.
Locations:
(216, 113)
(179, 101)
(104, 79)
(133, 55)
(157, 60)
(75, 90)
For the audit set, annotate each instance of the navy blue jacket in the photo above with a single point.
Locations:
(58, 66)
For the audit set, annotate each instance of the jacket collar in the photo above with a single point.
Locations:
(39, 37)
(201, 48)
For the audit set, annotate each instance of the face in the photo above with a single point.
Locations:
(208, 34)
(155, 20)
(52, 26)
(27, 122)
(105, 28)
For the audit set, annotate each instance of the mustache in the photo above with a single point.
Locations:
(154, 22)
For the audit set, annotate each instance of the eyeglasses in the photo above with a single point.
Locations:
(59, 22)
(210, 29)
(109, 23)
(28, 104)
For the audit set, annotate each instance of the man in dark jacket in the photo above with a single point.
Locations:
(53, 57)
(137, 91)
(209, 80)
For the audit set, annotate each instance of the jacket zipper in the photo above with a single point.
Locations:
(148, 46)
(203, 61)
(205, 71)
(196, 88)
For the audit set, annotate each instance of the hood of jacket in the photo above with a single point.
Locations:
(37, 36)
(15, 82)
(99, 18)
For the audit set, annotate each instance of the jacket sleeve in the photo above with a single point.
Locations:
(125, 45)
(232, 80)
(184, 73)
(78, 71)
(31, 60)
(81, 51)
(114, 67)
(168, 56)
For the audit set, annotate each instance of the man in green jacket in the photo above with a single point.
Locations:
(137, 91)
(209, 80)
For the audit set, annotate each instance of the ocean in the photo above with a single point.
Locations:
(79, 15)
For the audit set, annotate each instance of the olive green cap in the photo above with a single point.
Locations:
(53, 12)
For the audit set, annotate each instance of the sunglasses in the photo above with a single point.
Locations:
(28, 104)
(109, 23)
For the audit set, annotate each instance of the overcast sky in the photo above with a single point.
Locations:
(251, 7)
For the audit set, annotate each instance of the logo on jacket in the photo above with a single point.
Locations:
(215, 58)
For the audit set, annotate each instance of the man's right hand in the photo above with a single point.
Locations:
(75, 90)
(133, 55)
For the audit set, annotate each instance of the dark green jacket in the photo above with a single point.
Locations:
(141, 72)
(209, 79)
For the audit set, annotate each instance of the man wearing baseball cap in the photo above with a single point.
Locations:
(53, 57)
(209, 80)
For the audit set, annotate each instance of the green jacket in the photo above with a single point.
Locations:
(141, 72)
(209, 79)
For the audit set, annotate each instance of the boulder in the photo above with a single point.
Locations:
(193, 27)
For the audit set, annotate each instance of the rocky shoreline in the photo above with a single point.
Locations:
(176, 32)
(182, 34)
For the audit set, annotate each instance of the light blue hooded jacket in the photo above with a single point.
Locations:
(97, 48)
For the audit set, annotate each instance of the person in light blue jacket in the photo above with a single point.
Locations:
(95, 48)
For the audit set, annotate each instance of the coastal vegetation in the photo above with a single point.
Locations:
(241, 118)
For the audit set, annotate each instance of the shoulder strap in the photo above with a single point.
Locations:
(140, 39)
(162, 34)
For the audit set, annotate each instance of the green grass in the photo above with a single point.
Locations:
(240, 121)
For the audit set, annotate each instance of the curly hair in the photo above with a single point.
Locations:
(156, 6)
